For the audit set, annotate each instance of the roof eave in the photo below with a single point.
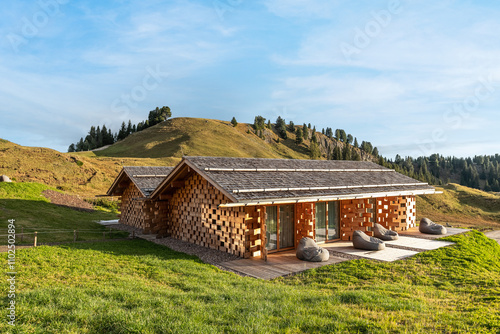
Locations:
(132, 178)
(275, 201)
(115, 183)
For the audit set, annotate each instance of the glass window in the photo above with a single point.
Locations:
(333, 220)
(286, 226)
(321, 222)
(271, 227)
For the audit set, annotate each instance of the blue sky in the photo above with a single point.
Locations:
(412, 77)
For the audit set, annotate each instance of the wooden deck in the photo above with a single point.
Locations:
(278, 264)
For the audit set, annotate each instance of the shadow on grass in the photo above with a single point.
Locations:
(52, 223)
(133, 247)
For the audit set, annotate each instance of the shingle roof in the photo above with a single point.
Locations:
(145, 178)
(249, 179)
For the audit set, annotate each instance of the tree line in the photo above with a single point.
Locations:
(102, 136)
(307, 135)
(480, 172)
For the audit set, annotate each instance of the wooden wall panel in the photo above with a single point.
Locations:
(396, 213)
(305, 216)
(191, 214)
(356, 214)
(135, 210)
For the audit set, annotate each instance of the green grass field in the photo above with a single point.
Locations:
(135, 286)
(140, 287)
(25, 203)
(462, 207)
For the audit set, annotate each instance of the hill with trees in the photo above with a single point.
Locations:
(158, 138)
(100, 137)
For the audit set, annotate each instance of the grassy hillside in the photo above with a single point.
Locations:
(195, 136)
(461, 207)
(81, 173)
(25, 203)
(206, 137)
(140, 287)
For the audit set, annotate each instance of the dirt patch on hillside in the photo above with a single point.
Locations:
(67, 201)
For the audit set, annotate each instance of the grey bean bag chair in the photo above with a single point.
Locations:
(362, 241)
(308, 250)
(384, 234)
(427, 226)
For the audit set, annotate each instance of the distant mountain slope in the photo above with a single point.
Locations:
(461, 207)
(206, 137)
(76, 173)
(191, 136)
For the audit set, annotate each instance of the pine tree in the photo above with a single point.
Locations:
(100, 137)
(71, 148)
(269, 125)
(337, 134)
(111, 138)
(291, 127)
(314, 152)
(355, 155)
(234, 122)
(281, 127)
(375, 152)
(123, 132)
(356, 142)
(298, 137)
(305, 132)
(314, 138)
(343, 136)
(346, 152)
(337, 154)
(259, 123)
(309, 126)
(129, 127)
(349, 139)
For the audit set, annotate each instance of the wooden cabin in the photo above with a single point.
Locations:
(249, 207)
(134, 185)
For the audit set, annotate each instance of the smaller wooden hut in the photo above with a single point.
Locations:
(134, 185)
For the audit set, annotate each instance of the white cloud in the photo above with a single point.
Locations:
(302, 8)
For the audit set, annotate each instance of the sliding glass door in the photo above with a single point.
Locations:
(271, 228)
(286, 226)
(279, 227)
(333, 220)
(321, 230)
(327, 221)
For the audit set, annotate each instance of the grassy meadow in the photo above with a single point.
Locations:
(25, 203)
(140, 287)
(461, 207)
(134, 286)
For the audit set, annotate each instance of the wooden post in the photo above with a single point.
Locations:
(22, 233)
(74, 235)
(34, 242)
(133, 234)
(104, 235)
